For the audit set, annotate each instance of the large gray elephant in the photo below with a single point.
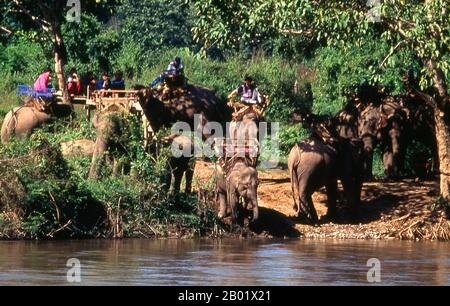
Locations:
(313, 164)
(241, 181)
(21, 121)
(384, 124)
(181, 162)
(181, 105)
(111, 139)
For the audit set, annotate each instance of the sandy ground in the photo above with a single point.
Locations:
(389, 210)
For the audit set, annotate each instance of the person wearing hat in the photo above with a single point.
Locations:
(248, 92)
(175, 67)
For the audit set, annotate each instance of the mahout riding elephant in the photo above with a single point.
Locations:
(240, 181)
(21, 121)
(314, 163)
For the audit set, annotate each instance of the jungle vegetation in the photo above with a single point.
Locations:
(306, 55)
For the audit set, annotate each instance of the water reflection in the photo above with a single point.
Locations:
(224, 262)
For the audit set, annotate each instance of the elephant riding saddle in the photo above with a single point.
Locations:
(39, 103)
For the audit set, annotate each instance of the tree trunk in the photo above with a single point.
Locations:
(443, 146)
(441, 127)
(60, 52)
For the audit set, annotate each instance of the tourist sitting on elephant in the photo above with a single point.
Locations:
(248, 92)
(73, 83)
(42, 82)
(175, 68)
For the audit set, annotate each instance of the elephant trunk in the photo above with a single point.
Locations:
(368, 142)
(254, 201)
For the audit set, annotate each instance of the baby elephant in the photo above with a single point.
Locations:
(314, 164)
(181, 161)
(241, 181)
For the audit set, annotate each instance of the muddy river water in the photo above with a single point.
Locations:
(224, 262)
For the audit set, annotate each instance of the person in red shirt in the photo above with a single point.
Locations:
(73, 83)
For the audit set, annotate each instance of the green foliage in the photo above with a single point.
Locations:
(155, 24)
(422, 29)
(377, 166)
(291, 135)
(20, 63)
(47, 196)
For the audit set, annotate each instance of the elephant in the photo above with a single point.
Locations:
(314, 163)
(368, 133)
(164, 110)
(346, 121)
(240, 181)
(384, 124)
(21, 121)
(110, 127)
(180, 162)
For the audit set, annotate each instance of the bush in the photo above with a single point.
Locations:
(46, 196)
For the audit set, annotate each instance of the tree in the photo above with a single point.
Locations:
(418, 25)
(46, 17)
(155, 23)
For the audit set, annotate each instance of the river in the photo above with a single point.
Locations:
(224, 262)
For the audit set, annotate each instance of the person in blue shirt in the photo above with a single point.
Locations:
(118, 83)
(104, 82)
(175, 67)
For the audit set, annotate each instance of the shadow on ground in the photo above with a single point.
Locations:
(274, 223)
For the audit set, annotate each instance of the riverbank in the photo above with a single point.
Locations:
(406, 209)
(47, 197)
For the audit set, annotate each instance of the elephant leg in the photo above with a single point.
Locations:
(189, 174)
(331, 198)
(169, 180)
(178, 175)
(307, 207)
(255, 210)
(97, 158)
(233, 201)
(221, 196)
(222, 199)
(388, 163)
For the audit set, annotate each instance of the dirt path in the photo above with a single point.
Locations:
(404, 210)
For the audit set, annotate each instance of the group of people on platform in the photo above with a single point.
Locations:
(248, 91)
(78, 86)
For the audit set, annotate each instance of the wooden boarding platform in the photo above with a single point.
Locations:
(99, 100)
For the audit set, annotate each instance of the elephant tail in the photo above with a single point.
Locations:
(293, 164)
